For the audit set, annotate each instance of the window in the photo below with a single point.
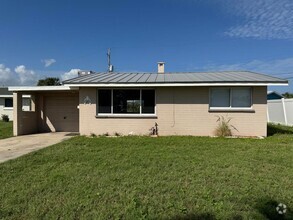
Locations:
(241, 97)
(230, 98)
(126, 101)
(28, 103)
(8, 103)
(104, 97)
(220, 97)
(148, 101)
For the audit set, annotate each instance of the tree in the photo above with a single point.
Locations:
(49, 81)
(288, 95)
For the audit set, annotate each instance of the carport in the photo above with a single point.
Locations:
(52, 109)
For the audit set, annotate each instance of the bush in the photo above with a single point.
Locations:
(5, 118)
(93, 135)
(273, 129)
(224, 127)
(117, 134)
(104, 135)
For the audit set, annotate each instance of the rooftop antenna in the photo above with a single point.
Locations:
(110, 67)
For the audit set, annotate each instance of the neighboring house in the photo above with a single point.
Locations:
(271, 95)
(131, 103)
(6, 102)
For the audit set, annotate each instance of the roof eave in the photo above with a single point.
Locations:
(73, 85)
(40, 88)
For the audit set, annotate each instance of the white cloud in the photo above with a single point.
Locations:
(19, 77)
(48, 62)
(26, 76)
(20, 69)
(263, 19)
(279, 67)
(69, 75)
(5, 75)
(282, 68)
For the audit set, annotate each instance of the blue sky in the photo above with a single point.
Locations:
(56, 38)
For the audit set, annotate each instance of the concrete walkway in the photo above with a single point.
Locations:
(14, 147)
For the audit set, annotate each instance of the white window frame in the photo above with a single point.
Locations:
(231, 108)
(140, 114)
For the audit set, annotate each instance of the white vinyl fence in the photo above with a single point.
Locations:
(280, 111)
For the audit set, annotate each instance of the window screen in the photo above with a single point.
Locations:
(241, 97)
(220, 97)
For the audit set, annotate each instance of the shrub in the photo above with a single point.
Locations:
(117, 134)
(104, 135)
(5, 118)
(273, 129)
(224, 127)
(93, 135)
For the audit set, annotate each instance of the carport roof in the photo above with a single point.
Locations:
(230, 77)
(4, 91)
(39, 88)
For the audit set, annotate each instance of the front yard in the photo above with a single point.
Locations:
(6, 129)
(151, 178)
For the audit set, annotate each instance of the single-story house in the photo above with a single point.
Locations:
(132, 103)
(272, 95)
(6, 103)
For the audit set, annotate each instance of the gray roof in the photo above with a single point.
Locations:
(271, 92)
(4, 91)
(178, 77)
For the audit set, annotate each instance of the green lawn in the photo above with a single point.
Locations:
(6, 129)
(151, 178)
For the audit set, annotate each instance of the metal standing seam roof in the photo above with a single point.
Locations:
(176, 77)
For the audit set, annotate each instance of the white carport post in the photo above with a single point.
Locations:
(17, 109)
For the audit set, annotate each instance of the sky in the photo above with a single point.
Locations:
(53, 38)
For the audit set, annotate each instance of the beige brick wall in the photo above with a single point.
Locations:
(24, 122)
(180, 111)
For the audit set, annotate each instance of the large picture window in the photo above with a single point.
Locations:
(233, 98)
(126, 101)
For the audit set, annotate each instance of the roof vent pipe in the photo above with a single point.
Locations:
(161, 67)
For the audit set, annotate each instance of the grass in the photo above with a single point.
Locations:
(151, 178)
(6, 130)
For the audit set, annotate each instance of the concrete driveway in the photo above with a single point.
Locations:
(14, 147)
